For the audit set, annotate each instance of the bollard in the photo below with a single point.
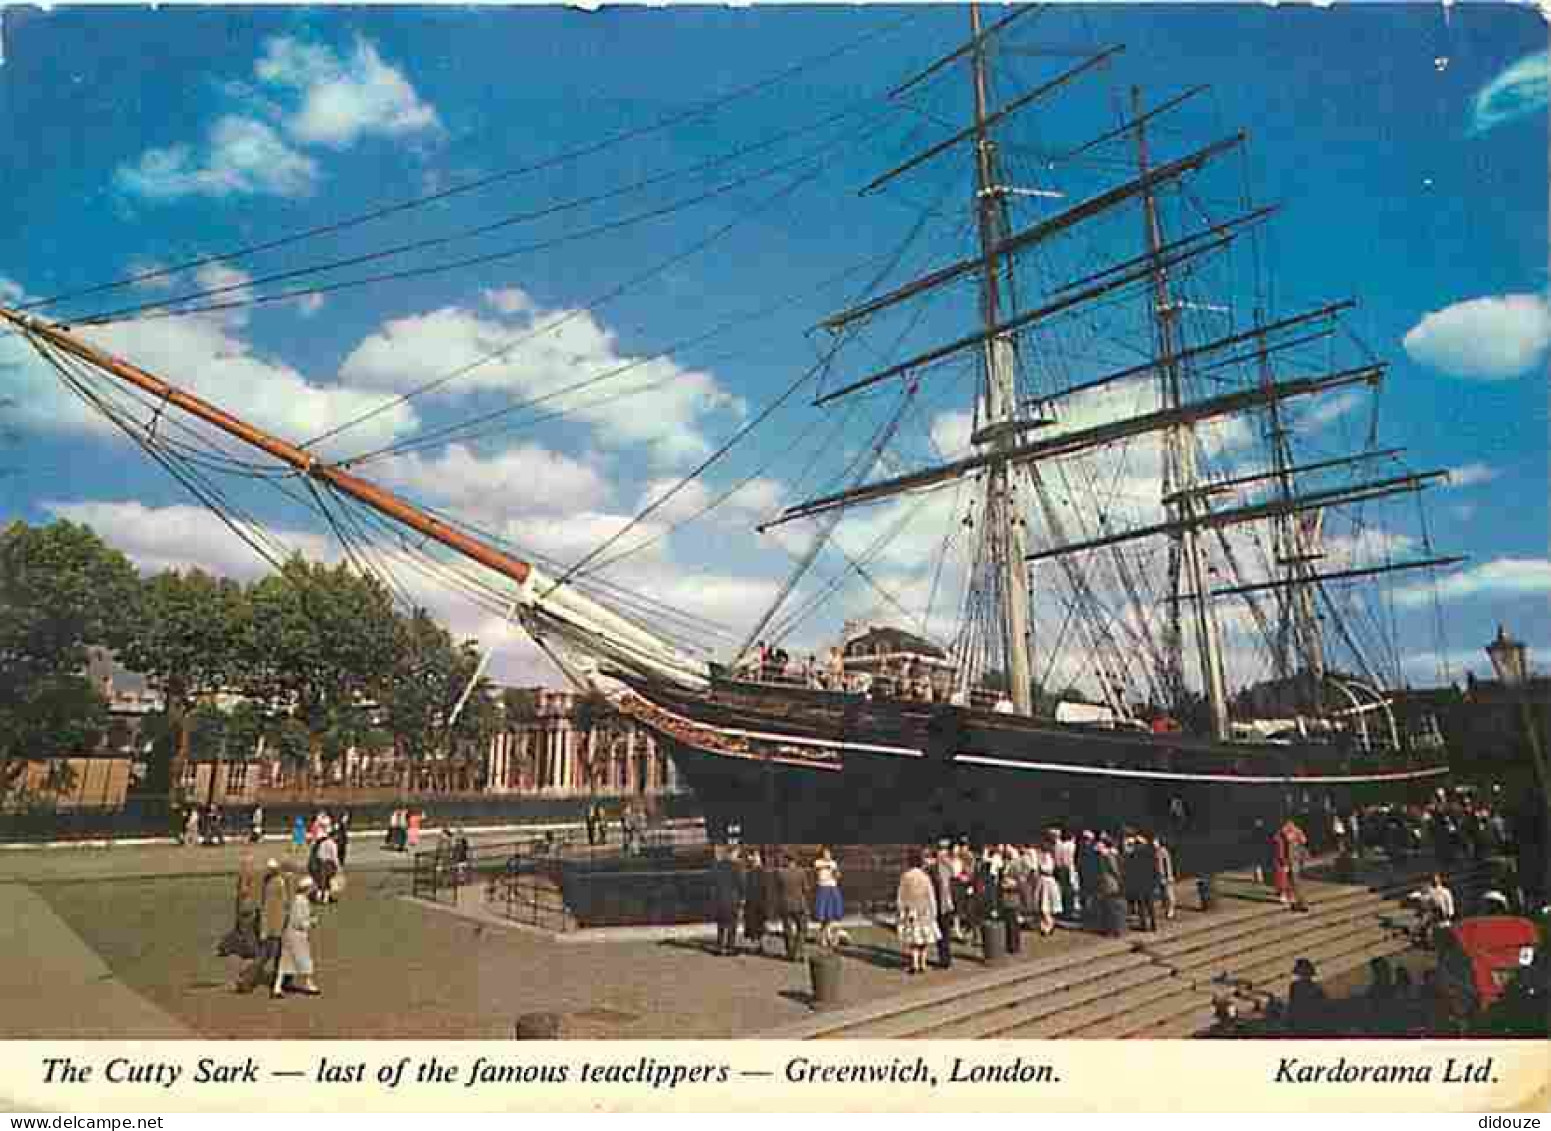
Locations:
(538, 1027)
(1204, 890)
(824, 969)
(993, 941)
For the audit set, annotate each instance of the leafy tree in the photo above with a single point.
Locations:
(187, 644)
(291, 742)
(62, 589)
(428, 679)
(319, 639)
(246, 726)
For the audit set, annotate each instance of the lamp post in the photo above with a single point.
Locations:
(1508, 661)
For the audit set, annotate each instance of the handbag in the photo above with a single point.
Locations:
(241, 941)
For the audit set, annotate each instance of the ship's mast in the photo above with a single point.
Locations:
(1004, 511)
(1296, 555)
(1179, 444)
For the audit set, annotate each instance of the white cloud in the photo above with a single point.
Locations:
(225, 283)
(1518, 91)
(343, 98)
(950, 433)
(509, 300)
(1490, 338)
(241, 157)
(334, 101)
(1472, 475)
(752, 501)
(528, 477)
(534, 353)
(209, 356)
(1502, 577)
(180, 537)
(1325, 411)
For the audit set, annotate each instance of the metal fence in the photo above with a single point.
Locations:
(660, 878)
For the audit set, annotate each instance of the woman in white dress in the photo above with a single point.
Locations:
(917, 906)
(296, 945)
(1047, 891)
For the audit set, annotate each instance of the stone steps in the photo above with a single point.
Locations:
(1294, 931)
(1175, 947)
(1134, 1023)
(1110, 1004)
(962, 1008)
(1159, 985)
(1191, 1023)
(862, 1019)
(1273, 974)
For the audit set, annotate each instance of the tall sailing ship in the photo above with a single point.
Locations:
(1159, 599)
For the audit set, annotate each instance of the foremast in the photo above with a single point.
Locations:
(1003, 508)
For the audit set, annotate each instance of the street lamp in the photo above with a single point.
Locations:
(1508, 661)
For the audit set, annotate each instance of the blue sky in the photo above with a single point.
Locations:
(1405, 144)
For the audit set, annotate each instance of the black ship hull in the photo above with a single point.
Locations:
(787, 765)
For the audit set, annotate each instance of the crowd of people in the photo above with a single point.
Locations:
(1106, 882)
(950, 893)
(403, 833)
(271, 936)
(271, 939)
(909, 679)
(1453, 828)
(750, 892)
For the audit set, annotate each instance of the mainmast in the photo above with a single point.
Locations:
(1179, 445)
(1298, 633)
(1004, 512)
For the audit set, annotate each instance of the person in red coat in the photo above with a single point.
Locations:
(1288, 851)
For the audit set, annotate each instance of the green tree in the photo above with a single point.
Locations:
(319, 640)
(187, 643)
(425, 684)
(62, 590)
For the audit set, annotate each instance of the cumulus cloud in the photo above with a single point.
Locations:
(1325, 411)
(305, 95)
(342, 98)
(530, 353)
(181, 537)
(1501, 577)
(1490, 338)
(240, 157)
(751, 501)
(1472, 475)
(210, 356)
(1517, 92)
(528, 477)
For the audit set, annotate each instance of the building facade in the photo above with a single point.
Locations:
(569, 745)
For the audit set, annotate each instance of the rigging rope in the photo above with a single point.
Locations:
(693, 113)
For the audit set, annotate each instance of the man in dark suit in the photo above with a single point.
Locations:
(941, 872)
(791, 904)
(726, 895)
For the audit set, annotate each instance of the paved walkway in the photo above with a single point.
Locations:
(76, 994)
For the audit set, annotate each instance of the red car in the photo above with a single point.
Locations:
(1478, 958)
